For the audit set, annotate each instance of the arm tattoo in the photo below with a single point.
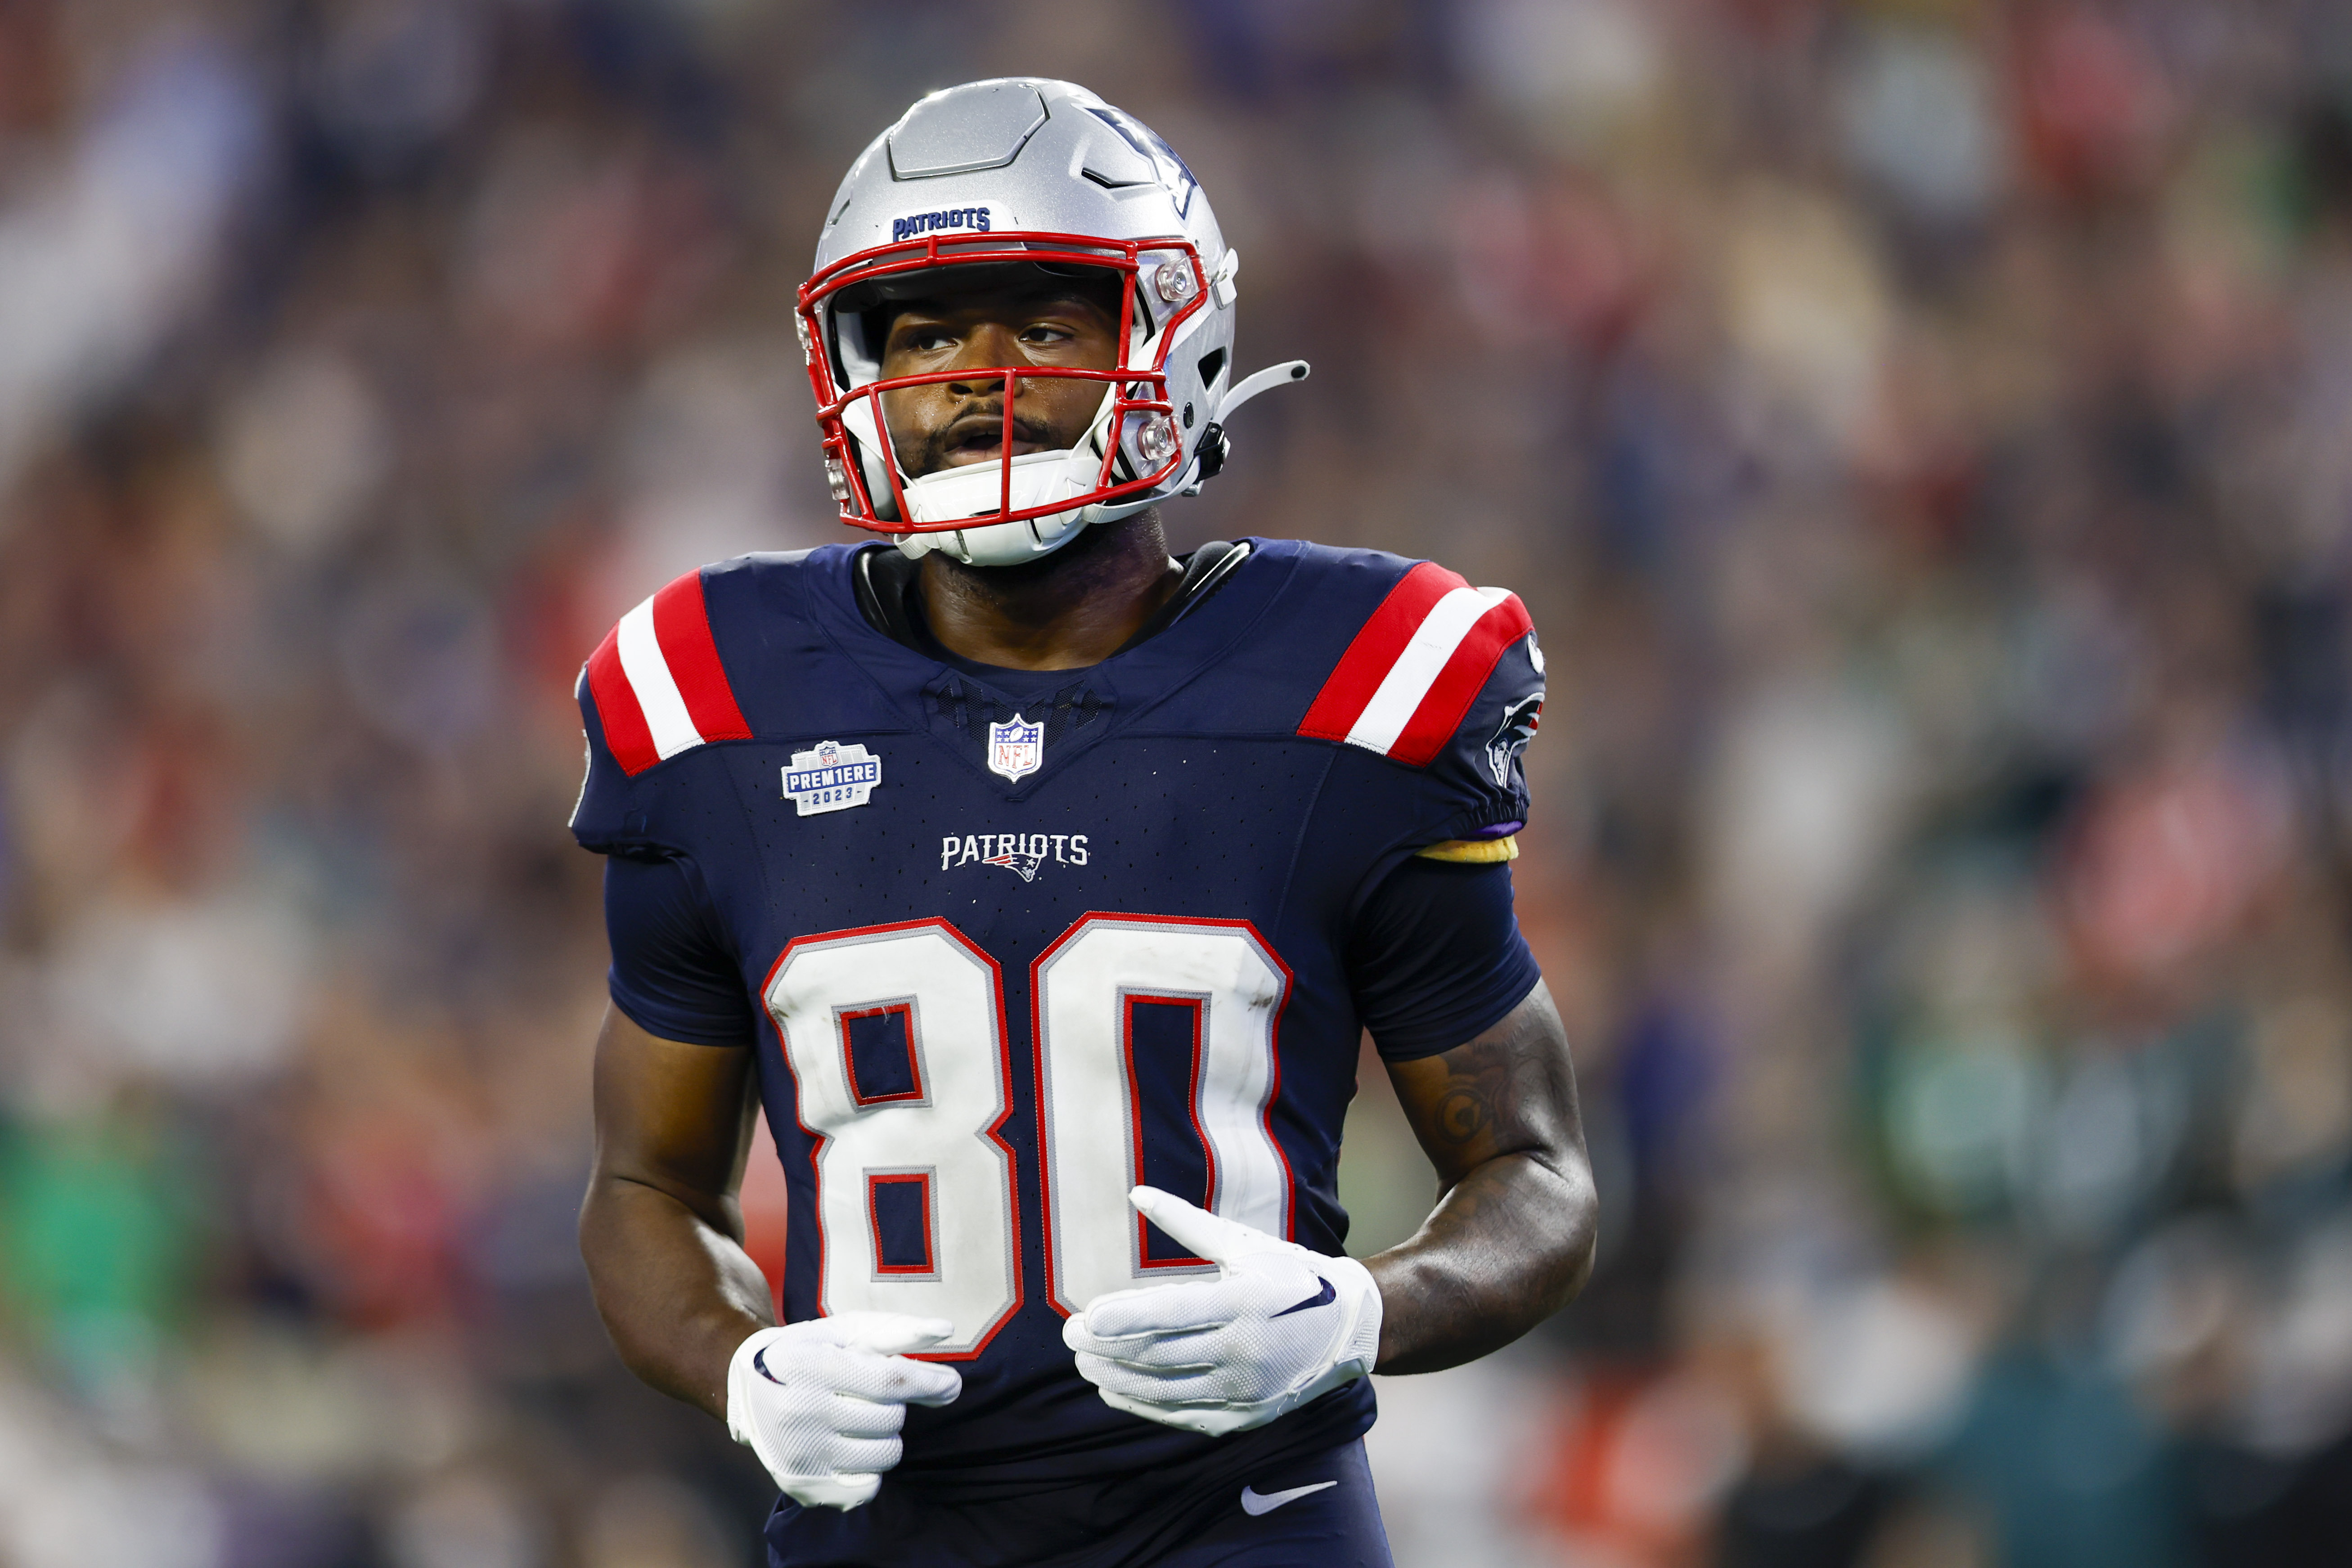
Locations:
(1464, 1113)
(1511, 1238)
(1511, 1091)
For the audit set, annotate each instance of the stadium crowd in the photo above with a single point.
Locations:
(1922, 431)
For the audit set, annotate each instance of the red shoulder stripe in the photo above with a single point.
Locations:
(1375, 650)
(1458, 684)
(626, 734)
(682, 626)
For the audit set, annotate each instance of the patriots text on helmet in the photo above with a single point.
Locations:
(975, 218)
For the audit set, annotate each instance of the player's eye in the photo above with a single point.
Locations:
(923, 340)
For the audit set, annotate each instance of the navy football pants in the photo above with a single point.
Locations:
(1336, 1526)
(1313, 1512)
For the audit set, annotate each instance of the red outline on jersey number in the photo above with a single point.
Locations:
(1037, 1052)
(994, 1132)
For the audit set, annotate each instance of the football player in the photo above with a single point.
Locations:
(1037, 888)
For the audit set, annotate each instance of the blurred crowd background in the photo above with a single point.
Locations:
(1922, 431)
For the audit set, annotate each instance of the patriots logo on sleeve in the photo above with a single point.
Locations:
(1511, 737)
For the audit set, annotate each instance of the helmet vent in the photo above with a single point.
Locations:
(984, 125)
(1212, 365)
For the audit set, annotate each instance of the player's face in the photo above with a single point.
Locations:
(947, 424)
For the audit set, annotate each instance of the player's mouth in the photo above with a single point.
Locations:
(980, 438)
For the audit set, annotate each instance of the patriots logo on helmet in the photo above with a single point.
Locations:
(1511, 737)
(1173, 172)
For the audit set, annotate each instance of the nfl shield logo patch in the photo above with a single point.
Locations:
(1016, 748)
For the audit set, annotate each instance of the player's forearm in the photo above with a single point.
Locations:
(676, 1288)
(1508, 1246)
(1510, 1241)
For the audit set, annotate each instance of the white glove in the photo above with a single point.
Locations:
(821, 1402)
(1279, 1326)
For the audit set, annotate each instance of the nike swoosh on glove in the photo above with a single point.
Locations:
(1279, 1326)
(821, 1402)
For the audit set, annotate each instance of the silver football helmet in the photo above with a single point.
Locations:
(1017, 174)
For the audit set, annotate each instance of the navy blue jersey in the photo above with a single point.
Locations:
(1008, 943)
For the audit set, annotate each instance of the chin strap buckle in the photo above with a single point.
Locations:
(1209, 459)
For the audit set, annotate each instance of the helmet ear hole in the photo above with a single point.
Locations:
(1212, 365)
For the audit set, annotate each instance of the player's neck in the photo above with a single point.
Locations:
(1071, 608)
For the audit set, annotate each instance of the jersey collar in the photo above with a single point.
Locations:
(864, 603)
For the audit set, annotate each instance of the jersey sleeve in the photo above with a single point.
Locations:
(1479, 768)
(1436, 958)
(654, 690)
(609, 817)
(1445, 681)
(672, 972)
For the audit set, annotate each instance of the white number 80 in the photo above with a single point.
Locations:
(922, 1140)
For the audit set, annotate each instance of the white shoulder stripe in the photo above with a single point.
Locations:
(1419, 666)
(657, 692)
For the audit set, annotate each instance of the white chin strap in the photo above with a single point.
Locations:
(977, 489)
(1039, 478)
